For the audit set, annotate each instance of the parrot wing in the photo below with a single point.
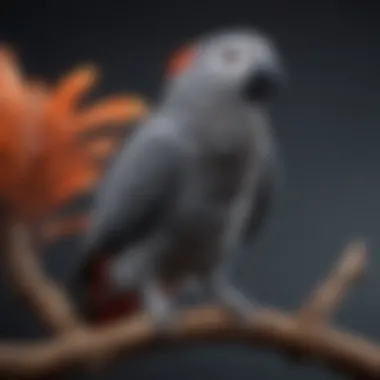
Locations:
(135, 194)
(269, 186)
(260, 209)
(269, 179)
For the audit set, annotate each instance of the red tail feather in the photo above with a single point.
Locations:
(105, 305)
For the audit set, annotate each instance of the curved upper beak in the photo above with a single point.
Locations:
(264, 82)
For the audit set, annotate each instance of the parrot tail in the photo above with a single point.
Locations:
(103, 305)
(87, 284)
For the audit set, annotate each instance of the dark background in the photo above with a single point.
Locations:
(327, 123)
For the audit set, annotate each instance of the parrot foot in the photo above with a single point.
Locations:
(165, 324)
(159, 309)
(231, 298)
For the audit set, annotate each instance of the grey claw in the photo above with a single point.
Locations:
(165, 323)
(160, 309)
(236, 302)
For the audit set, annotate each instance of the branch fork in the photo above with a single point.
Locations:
(306, 332)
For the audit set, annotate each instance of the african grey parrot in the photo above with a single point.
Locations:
(193, 180)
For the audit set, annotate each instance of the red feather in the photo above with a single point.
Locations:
(180, 61)
(105, 305)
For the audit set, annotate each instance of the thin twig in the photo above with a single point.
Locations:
(47, 300)
(348, 352)
(268, 327)
(326, 297)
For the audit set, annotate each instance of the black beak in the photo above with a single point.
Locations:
(263, 83)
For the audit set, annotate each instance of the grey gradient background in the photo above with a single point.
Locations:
(327, 123)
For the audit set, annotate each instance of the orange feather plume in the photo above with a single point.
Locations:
(117, 109)
(13, 123)
(66, 167)
(40, 129)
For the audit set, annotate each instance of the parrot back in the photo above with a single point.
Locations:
(220, 157)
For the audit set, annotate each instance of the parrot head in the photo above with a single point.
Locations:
(224, 64)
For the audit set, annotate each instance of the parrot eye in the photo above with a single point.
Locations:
(231, 55)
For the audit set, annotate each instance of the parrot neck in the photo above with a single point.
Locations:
(211, 122)
(193, 102)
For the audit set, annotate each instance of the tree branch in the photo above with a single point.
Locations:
(268, 327)
(288, 332)
(47, 300)
(326, 297)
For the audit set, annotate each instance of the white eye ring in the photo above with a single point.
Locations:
(231, 55)
(228, 61)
